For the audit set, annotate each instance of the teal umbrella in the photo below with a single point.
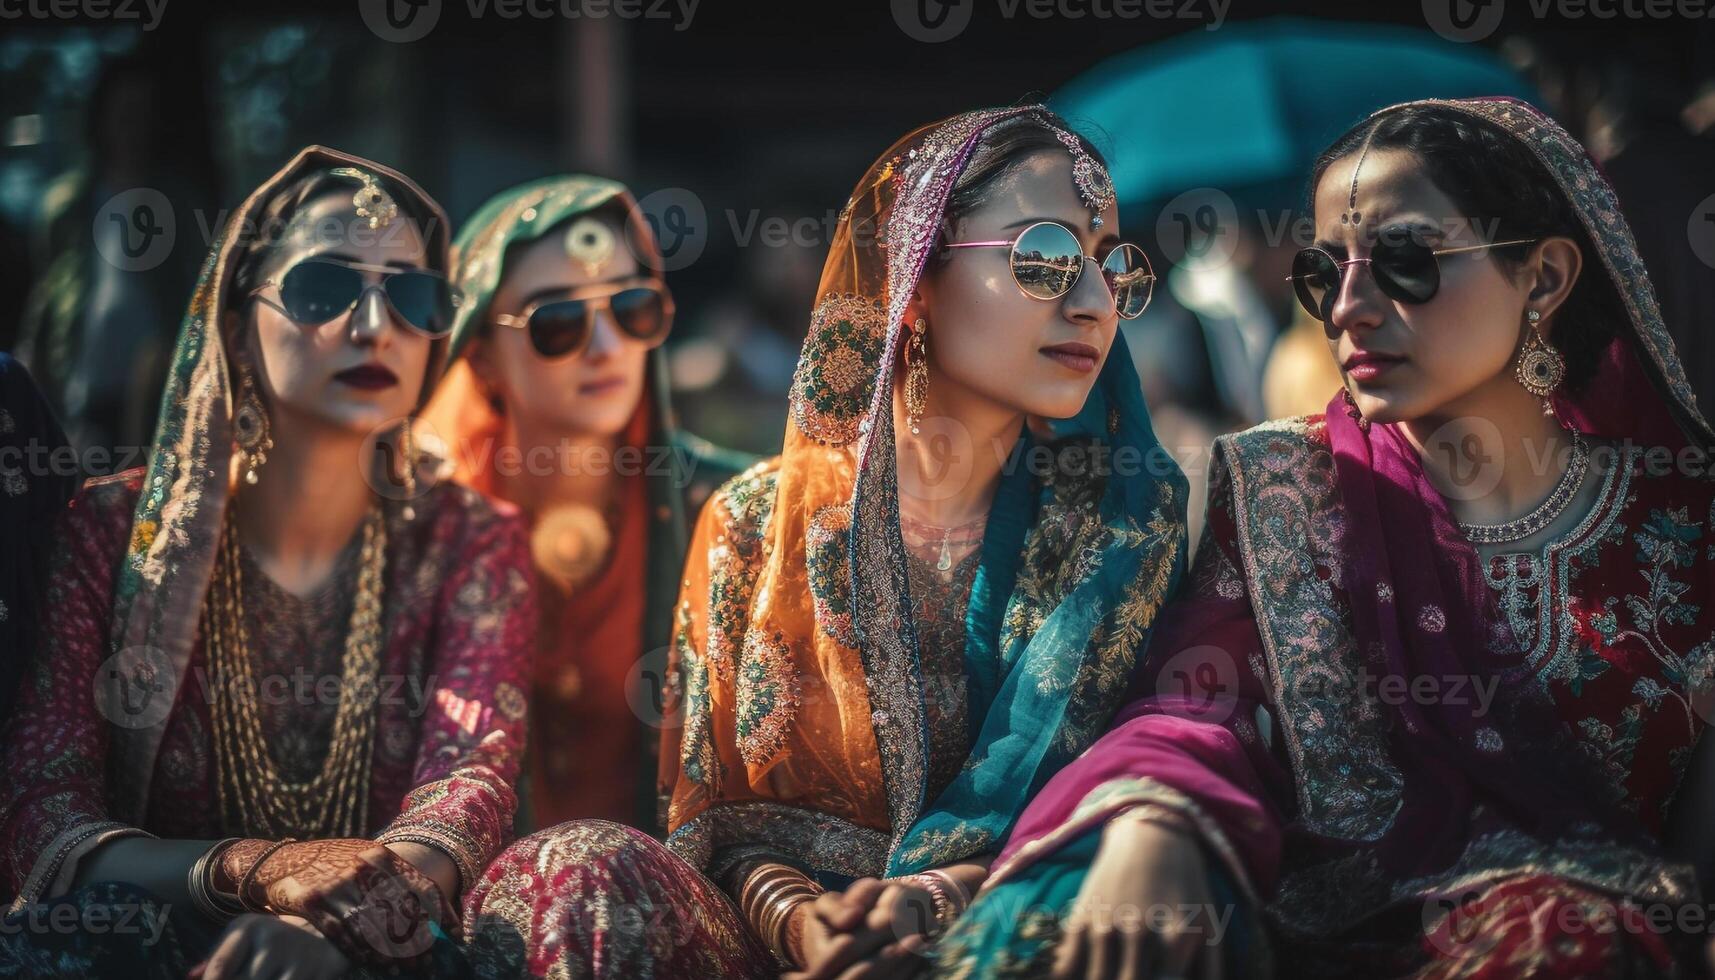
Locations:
(1250, 105)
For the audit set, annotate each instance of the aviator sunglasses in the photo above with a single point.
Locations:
(1407, 270)
(317, 290)
(1047, 260)
(560, 326)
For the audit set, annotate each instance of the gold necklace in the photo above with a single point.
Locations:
(254, 798)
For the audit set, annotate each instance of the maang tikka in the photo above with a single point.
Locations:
(372, 201)
(1095, 186)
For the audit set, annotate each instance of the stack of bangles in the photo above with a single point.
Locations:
(770, 894)
(950, 897)
(219, 905)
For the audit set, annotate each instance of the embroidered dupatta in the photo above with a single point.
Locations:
(796, 667)
(95, 759)
(1330, 553)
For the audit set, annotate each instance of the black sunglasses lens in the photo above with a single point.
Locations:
(558, 329)
(641, 313)
(314, 292)
(1046, 261)
(1129, 276)
(425, 301)
(1406, 271)
(1315, 278)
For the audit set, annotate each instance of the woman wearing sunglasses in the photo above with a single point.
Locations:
(889, 635)
(560, 406)
(281, 688)
(1434, 698)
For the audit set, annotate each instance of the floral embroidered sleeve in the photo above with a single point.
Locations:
(1196, 739)
(472, 735)
(716, 819)
(53, 796)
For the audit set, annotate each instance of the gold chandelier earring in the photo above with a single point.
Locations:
(917, 374)
(1540, 367)
(250, 427)
(408, 457)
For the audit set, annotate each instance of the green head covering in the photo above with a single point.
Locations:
(523, 214)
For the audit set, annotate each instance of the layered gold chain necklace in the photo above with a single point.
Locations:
(255, 799)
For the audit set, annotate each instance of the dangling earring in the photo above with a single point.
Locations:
(917, 374)
(408, 450)
(250, 426)
(1352, 409)
(1540, 368)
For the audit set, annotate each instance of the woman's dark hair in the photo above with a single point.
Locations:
(272, 226)
(1002, 148)
(1498, 183)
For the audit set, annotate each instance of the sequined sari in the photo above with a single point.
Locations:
(1435, 831)
(112, 735)
(798, 674)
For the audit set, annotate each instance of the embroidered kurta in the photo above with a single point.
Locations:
(457, 610)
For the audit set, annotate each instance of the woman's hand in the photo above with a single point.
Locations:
(270, 947)
(371, 903)
(871, 930)
(1144, 911)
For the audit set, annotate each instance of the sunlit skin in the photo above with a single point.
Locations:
(305, 508)
(584, 399)
(992, 348)
(992, 366)
(1444, 368)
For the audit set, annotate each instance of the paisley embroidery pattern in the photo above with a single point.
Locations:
(835, 378)
(700, 761)
(767, 696)
(1290, 527)
(746, 502)
(827, 560)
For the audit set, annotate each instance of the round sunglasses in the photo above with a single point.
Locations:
(1407, 271)
(560, 326)
(317, 290)
(1047, 261)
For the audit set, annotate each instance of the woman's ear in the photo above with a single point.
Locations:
(1554, 271)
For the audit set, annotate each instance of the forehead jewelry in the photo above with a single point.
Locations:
(1095, 187)
(590, 244)
(371, 200)
(1352, 216)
